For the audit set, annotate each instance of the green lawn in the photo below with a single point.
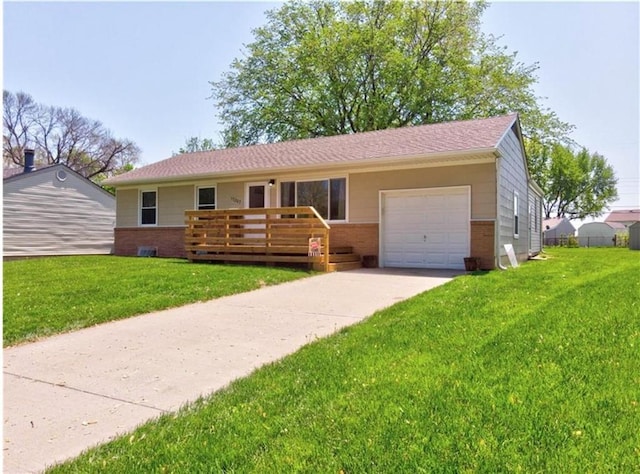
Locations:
(529, 370)
(46, 296)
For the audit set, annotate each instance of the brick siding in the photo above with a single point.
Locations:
(483, 243)
(168, 240)
(362, 237)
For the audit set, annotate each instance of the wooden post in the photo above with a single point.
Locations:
(226, 230)
(326, 251)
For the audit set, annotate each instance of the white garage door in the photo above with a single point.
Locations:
(425, 228)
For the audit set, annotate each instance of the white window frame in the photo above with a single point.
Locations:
(215, 197)
(516, 215)
(328, 179)
(141, 208)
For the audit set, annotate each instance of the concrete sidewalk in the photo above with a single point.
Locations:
(67, 393)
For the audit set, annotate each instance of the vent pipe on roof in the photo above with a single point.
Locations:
(29, 160)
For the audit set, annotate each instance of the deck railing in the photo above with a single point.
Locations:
(282, 234)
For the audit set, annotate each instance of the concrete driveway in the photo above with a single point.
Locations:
(67, 393)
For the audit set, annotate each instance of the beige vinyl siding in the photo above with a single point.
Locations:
(45, 216)
(513, 177)
(172, 202)
(362, 192)
(127, 203)
(363, 188)
(231, 195)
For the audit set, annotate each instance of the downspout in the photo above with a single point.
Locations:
(497, 239)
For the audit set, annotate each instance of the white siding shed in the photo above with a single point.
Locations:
(598, 234)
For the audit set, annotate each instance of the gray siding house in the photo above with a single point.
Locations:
(55, 211)
(418, 197)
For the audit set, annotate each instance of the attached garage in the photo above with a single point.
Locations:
(425, 228)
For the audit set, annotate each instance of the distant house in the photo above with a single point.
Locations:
(625, 217)
(599, 234)
(556, 230)
(420, 196)
(55, 211)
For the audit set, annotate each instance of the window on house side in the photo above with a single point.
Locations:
(148, 211)
(206, 198)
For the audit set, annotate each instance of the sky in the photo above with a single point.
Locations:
(143, 68)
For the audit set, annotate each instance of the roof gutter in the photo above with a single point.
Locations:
(114, 181)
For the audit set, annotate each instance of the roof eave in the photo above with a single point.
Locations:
(367, 162)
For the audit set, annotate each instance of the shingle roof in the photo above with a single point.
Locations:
(551, 223)
(616, 225)
(625, 215)
(9, 172)
(419, 140)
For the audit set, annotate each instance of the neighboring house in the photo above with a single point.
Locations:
(599, 234)
(625, 217)
(55, 211)
(557, 229)
(422, 196)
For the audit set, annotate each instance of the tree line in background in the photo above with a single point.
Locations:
(329, 67)
(62, 135)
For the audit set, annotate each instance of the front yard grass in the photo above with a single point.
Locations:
(45, 296)
(528, 370)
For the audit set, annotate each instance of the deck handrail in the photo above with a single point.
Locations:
(278, 234)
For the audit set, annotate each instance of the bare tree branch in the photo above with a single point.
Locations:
(62, 135)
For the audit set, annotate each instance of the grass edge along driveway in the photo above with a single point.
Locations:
(528, 370)
(46, 296)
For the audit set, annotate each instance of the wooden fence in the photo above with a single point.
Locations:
(283, 234)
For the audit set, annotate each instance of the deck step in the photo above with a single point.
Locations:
(342, 249)
(344, 266)
(343, 257)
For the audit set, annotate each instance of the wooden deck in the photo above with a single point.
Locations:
(272, 235)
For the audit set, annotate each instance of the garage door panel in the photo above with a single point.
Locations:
(426, 228)
(437, 260)
(436, 220)
(457, 240)
(436, 239)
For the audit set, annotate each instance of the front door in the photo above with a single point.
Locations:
(257, 197)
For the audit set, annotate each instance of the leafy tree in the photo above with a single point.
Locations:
(62, 135)
(328, 67)
(577, 184)
(194, 144)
